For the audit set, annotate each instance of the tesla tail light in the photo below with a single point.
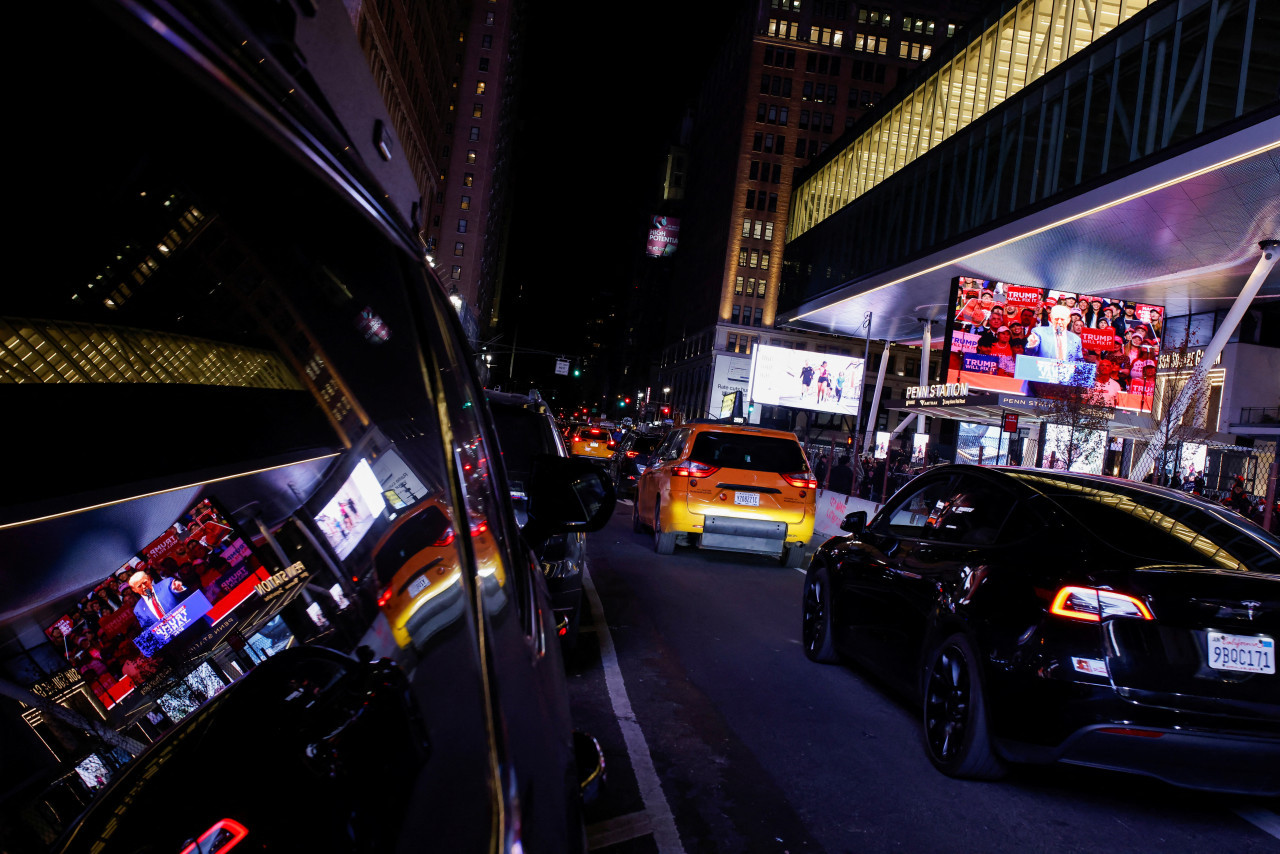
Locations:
(1094, 605)
(632, 454)
(693, 469)
(802, 479)
(224, 835)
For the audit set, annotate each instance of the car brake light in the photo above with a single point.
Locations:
(446, 539)
(693, 469)
(1094, 604)
(384, 598)
(802, 479)
(577, 438)
(223, 836)
(633, 454)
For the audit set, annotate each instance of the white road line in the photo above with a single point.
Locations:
(661, 821)
(1265, 819)
(621, 829)
(626, 501)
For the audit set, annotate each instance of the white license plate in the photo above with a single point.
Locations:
(418, 585)
(595, 444)
(1242, 653)
(747, 499)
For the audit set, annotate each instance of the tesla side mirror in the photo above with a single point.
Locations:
(855, 522)
(566, 494)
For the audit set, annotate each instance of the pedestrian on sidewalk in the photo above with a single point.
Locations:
(820, 471)
(842, 477)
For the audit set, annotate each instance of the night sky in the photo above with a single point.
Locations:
(600, 102)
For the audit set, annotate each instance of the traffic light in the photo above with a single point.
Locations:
(577, 372)
(848, 441)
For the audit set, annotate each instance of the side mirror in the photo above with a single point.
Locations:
(855, 522)
(567, 494)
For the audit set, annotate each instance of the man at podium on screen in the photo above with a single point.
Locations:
(1055, 341)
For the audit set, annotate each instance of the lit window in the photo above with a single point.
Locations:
(466, 203)
(459, 248)
(737, 286)
(477, 111)
(471, 155)
(480, 88)
(768, 230)
(455, 272)
(468, 178)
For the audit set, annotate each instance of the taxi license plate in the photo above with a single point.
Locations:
(595, 444)
(418, 585)
(1242, 653)
(747, 499)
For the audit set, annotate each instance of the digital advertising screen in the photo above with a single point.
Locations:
(819, 382)
(182, 583)
(882, 444)
(919, 449)
(1025, 340)
(664, 237)
(351, 512)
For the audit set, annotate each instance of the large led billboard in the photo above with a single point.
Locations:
(1027, 341)
(351, 512)
(165, 598)
(664, 237)
(801, 380)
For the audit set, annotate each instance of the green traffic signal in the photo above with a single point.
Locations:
(577, 372)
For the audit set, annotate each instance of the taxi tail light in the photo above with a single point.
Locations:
(1093, 605)
(693, 469)
(224, 835)
(385, 597)
(802, 479)
(446, 539)
(633, 454)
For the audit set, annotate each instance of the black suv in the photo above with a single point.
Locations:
(632, 458)
(527, 431)
(271, 383)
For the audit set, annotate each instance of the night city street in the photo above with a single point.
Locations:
(730, 426)
(757, 749)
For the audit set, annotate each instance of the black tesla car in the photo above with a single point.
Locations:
(1039, 616)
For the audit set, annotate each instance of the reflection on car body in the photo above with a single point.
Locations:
(1040, 616)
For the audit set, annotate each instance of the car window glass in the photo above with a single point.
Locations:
(916, 514)
(748, 451)
(523, 433)
(645, 444)
(972, 513)
(207, 329)
(1164, 528)
(676, 448)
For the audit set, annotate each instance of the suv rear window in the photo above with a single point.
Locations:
(748, 451)
(646, 444)
(522, 434)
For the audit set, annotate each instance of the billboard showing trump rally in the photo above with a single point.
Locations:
(1027, 341)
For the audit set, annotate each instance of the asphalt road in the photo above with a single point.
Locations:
(720, 736)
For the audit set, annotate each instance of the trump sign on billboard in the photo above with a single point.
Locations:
(664, 236)
(802, 380)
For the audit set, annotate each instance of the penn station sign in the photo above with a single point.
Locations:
(940, 394)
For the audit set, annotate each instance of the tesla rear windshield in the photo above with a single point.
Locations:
(1171, 530)
(748, 451)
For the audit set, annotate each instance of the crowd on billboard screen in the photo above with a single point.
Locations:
(172, 586)
(1022, 340)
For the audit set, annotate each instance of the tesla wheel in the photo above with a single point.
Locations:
(664, 542)
(956, 735)
(793, 556)
(819, 644)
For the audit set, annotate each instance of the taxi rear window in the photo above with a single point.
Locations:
(748, 451)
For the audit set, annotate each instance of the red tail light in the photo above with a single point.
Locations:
(223, 836)
(446, 539)
(633, 454)
(1093, 604)
(385, 597)
(802, 479)
(577, 438)
(692, 469)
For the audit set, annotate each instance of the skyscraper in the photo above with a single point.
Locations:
(791, 79)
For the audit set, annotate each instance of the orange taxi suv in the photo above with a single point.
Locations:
(731, 488)
(594, 442)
